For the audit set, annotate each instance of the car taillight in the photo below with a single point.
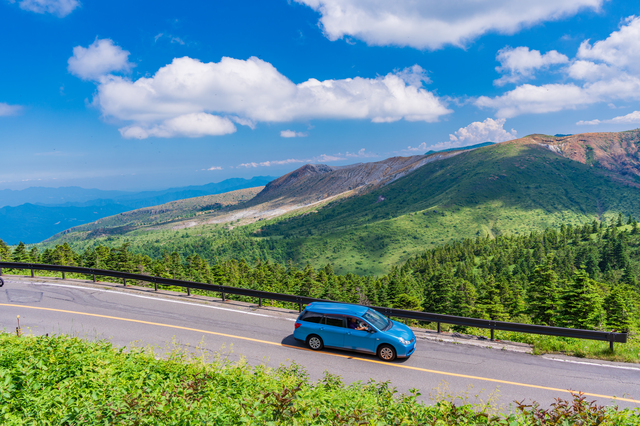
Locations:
(298, 324)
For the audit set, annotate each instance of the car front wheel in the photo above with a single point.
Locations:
(386, 353)
(315, 342)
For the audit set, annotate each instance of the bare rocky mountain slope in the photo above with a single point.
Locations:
(617, 152)
(305, 188)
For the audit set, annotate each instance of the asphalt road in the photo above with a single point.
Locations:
(141, 317)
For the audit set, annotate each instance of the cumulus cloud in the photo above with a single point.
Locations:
(193, 125)
(605, 71)
(292, 134)
(431, 24)
(489, 130)
(520, 63)
(98, 60)
(213, 168)
(250, 91)
(6, 109)
(420, 148)
(631, 118)
(60, 8)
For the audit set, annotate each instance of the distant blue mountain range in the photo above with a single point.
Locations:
(34, 214)
(478, 145)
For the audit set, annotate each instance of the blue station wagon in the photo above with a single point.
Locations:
(353, 327)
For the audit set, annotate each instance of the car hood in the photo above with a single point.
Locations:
(400, 330)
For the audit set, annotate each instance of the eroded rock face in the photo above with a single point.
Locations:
(314, 182)
(617, 152)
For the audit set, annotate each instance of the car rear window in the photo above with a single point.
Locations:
(334, 321)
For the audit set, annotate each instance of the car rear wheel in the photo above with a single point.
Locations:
(386, 353)
(1, 282)
(315, 342)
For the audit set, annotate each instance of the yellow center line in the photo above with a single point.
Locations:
(425, 370)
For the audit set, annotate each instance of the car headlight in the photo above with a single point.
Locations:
(403, 341)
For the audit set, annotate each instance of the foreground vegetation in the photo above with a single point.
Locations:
(66, 380)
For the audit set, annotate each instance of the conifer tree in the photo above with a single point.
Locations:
(489, 305)
(20, 253)
(5, 251)
(617, 309)
(439, 293)
(581, 303)
(542, 294)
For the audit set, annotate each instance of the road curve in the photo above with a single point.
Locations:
(135, 316)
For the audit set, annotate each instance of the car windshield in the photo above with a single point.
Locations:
(376, 319)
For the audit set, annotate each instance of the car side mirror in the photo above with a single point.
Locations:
(371, 330)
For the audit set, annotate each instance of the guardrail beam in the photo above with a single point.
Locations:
(300, 300)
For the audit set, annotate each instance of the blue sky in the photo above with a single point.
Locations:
(149, 94)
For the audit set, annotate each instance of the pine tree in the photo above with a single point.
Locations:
(439, 293)
(617, 309)
(5, 251)
(581, 304)
(542, 294)
(489, 305)
(20, 253)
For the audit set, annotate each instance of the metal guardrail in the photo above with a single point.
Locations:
(610, 337)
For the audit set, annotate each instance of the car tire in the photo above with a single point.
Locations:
(1, 282)
(315, 342)
(386, 353)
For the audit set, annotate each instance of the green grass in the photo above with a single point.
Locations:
(64, 380)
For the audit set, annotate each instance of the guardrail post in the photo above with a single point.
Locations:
(32, 273)
(222, 293)
(260, 302)
(0, 271)
(492, 334)
(94, 278)
(188, 291)
(125, 281)
(439, 331)
(63, 276)
(155, 285)
(299, 307)
(611, 345)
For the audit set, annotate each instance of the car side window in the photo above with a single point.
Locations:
(313, 317)
(334, 321)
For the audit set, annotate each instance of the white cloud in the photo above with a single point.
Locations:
(214, 168)
(6, 109)
(272, 163)
(536, 99)
(621, 49)
(489, 130)
(520, 63)
(606, 71)
(431, 24)
(98, 60)
(193, 125)
(60, 8)
(323, 158)
(292, 134)
(252, 90)
(631, 118)
(361, 154)
(420, 148)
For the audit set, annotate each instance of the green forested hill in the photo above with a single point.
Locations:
(509, 188)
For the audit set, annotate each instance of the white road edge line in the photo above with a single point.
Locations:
(592, 363)
(153, 298)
